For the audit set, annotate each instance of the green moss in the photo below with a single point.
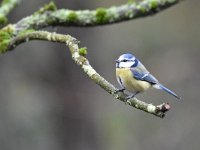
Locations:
(153, 4)
(101, 16)
(50, 7)
(3, 19)
(5, 38)
(83, 51)
(26, 31)
(5, 2)
(130, 2)
(9, 29)
(72, 17)
(4, 46)
(141, 8)
(47, 7)
(50, 21)
(4, 35)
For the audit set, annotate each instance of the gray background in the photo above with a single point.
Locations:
(47, 103)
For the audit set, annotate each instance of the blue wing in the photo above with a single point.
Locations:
(141, 73)
(143, 76)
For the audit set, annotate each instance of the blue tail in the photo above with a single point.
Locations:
(161, 87)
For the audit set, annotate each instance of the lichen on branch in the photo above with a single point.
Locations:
(99, 16)
(5, 7)
(49, 15)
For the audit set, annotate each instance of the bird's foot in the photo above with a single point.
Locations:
(130, 97)
(119, 90)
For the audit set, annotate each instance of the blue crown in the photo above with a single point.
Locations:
(128, 56)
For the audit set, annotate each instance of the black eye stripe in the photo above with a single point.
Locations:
(125, 60)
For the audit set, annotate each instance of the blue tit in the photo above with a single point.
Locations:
(135, 78)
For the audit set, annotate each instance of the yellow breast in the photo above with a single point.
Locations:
(129, 82)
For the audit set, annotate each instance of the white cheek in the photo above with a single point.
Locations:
(126, 64)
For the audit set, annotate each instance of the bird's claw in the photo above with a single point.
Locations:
(127, 98)
(130, 97)
(119, 90)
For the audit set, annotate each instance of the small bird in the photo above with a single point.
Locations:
(135, 78)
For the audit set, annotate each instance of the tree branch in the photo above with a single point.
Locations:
(48, 15)
(87, 18)
(80, 60)
(5, 8)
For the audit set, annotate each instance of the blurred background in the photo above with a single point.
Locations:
(48, 103)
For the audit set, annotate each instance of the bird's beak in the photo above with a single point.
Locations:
(117, 61)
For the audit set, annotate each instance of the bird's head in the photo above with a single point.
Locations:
(126, 61)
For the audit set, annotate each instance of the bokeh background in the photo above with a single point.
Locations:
(47, 103)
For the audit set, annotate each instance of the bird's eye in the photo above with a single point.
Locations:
(125, 60)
